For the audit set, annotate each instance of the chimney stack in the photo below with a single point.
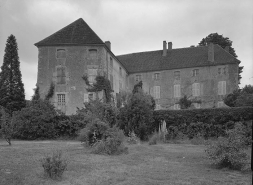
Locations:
(164, 48)
(210, 52)
(169, 46)
(108, 44)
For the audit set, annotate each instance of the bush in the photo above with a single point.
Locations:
(54, 165)
(153, 139)
(93, 132)
(132, 139)
(6, 126)
(69, 126)
(111, 143)
(36, 121)
(137, 114)
(229, 151)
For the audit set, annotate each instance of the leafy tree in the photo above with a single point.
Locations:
(240, 97)
(12, 95)
(215, 38)
(137, 115)
(36, 121)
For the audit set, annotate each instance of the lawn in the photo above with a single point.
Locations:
(162, 164)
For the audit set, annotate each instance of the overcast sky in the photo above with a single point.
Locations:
(130, 25)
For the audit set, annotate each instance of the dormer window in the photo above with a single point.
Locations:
(177, 75)
(195, 72)
(157, 76)
(93, 53)
(61, 53)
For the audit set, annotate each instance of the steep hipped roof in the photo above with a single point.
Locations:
(175, 59)
(76, 33)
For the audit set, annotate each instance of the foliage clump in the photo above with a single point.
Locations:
(240, 97)
(137, 115)
(54, 165)
(132, 138)
(229, 151)
(36, 121)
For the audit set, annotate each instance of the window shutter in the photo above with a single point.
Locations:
(152, 92)
(85, 97)
(224, 87)
(175, 91)
(219, 88)
(197, 89)
(158, 92)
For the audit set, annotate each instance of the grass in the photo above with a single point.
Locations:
(145, 164)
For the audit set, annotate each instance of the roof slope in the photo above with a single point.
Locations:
(76, 33)
(175, 59)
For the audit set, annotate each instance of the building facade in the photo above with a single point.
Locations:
(205, 74)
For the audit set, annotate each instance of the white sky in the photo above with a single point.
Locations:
(130, 25)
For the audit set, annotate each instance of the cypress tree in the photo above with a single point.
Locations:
(12, 95)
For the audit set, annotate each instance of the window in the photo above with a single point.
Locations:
(120, 71)
(176, 106)
(222, 88)
(195, 72)
(177, 75)
(93, 53)
(61, 101)
(157, 107)
(220, 104)
(196, 105)
(138, 78)
(157, 92)
(177, 91)
(92, 73)
(157, 76)
(61, 75)
(88, 96)
(61, 53)
(195, 89)
(222, 70)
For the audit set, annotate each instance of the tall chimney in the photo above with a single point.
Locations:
(108, 44)
(164, 48)
(169, 46)
(210, 52)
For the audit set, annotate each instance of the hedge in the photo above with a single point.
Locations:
(213, 116)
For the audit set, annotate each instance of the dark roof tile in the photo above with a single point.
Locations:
(175, 59)
(76, 33)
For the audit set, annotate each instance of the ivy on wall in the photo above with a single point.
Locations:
(101, 84)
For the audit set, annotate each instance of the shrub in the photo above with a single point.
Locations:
(36, 121)
(229, 151)
(93, 132)
(132, 139)
(69, 126)
(6, 126)
(137, 114)
(154, 139)
(111, 143)
(54, 165)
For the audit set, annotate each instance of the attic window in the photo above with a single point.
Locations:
(93, 53)
(61, 53)
(177, 75)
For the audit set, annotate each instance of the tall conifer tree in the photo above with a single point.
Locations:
(12, 95)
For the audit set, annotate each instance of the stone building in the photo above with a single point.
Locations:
(205, 74)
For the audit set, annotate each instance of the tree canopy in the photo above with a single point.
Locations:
(12, 93)
(222, 41)
(240, 97)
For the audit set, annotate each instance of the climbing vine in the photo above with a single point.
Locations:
(101, 84)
